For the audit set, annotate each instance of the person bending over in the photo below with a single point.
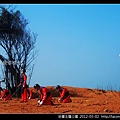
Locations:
(45, 95)
(4, 94)
(64, 94)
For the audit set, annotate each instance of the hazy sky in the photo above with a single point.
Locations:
(78, 44)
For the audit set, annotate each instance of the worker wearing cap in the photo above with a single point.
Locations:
(45, 95)
(64, 94)
(23, 85)
(4, 94)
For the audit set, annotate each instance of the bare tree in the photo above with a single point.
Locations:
(18, 43)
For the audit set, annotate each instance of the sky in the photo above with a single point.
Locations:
(78, 44)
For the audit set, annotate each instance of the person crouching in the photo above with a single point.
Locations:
(4, 94)
(45, 95)
(64, 94)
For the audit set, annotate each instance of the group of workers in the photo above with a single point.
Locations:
(45, 96)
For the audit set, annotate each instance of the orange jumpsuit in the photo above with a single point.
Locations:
(45, 96)
(64, 95)
(23, 82)
(5, 94)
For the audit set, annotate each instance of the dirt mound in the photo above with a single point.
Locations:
(84, 100)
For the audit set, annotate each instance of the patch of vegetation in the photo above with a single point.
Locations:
(103, 91)
(108, 88)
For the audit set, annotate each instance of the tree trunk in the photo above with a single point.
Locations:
(6, 76)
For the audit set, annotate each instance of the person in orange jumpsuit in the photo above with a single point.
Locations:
(64, 94)
(45, 95)
(23, 86)
(4, 94)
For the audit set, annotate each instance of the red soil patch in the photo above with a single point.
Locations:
(83, 101)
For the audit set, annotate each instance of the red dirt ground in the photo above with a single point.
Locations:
(84, 100)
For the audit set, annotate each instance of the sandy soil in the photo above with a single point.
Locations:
(84, 100)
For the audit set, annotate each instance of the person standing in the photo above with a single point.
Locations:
(64, 94)
(23, 86)
(45, 95)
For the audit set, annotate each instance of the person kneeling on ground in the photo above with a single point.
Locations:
(4, 94)
(64, 94)
(45, 95)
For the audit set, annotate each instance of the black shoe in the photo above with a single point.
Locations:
(70, 100)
